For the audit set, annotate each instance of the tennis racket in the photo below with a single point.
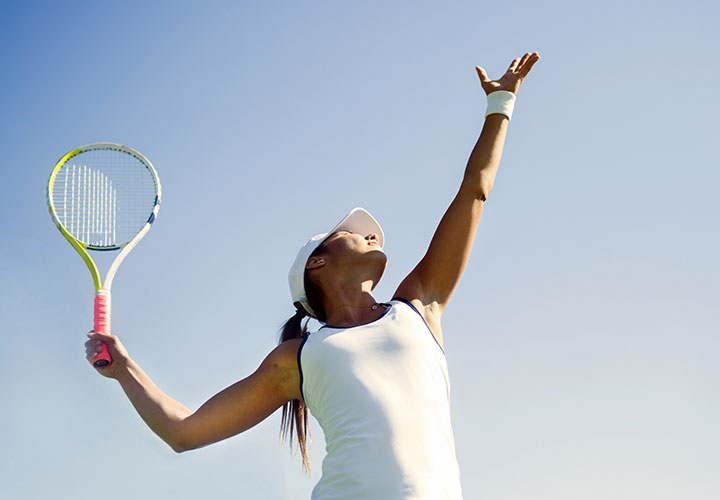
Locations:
(103, 197)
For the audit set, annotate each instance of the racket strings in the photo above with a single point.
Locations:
(104, 197)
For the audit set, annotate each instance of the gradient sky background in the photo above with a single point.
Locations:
(583, 339)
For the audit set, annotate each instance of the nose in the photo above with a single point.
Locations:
(371, 237)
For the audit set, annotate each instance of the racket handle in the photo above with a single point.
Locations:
(102, 325)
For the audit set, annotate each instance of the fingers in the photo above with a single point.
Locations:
(105, 337)
(92, 347)
(518, 69)
(522, 65)
(527, 63)
(524, 59)
(92, 350)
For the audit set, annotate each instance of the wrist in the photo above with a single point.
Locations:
(124, 370)
(500, 102)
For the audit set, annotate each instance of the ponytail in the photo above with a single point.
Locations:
(295, 413)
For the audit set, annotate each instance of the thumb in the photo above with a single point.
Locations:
(481, 73)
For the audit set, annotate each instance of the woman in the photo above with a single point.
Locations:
(374, 375)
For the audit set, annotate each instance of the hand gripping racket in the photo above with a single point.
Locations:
(103, 197)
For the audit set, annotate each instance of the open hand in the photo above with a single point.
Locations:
(513, 77)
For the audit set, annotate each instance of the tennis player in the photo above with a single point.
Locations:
(374, 375)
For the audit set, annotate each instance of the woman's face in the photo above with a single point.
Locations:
(349, 242)
(344, 248)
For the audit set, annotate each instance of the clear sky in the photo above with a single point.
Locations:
(583, 339)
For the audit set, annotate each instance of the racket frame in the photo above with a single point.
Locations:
(102, 288)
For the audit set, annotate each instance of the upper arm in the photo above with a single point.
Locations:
(433, 280)
(247, 402)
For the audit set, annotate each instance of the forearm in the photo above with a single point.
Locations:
(159, 411)
(484, 160)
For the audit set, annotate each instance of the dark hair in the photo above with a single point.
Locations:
(295, 413)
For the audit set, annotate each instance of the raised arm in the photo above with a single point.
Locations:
(231, 411)
(430, 285)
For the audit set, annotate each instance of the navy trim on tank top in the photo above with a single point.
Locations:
(405, 301)
(302, 343)
(387, 308)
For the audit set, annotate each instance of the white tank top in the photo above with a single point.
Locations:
(381, 394)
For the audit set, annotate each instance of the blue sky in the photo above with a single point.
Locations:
(582, 341)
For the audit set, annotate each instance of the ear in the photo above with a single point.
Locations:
(315, 262)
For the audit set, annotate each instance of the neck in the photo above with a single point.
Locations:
(348, 307)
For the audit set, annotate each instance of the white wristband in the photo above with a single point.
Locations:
(502, 102)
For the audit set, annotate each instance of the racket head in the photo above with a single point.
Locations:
(102, 195)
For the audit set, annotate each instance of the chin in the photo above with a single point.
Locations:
(379, 255)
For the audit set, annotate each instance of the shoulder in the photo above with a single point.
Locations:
(282, 363)
(284, 356)
(286, 352)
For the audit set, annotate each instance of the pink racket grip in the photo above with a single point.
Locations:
(102, 325)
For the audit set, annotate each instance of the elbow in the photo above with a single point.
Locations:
(481, 194)
(476, 193)
(178, 441)
(180, 445)
(185, 435)
(178, 448)
(483, 191)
